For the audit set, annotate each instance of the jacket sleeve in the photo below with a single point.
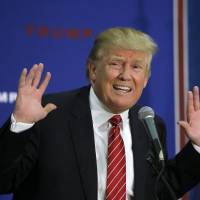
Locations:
(18, 154)
(182, 172)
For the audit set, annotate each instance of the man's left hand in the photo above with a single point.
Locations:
(192, 125)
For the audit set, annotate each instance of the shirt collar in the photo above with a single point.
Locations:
(100, 114)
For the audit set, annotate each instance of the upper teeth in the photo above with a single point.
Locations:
(121, 87)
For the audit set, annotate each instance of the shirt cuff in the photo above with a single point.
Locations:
(197, 148)
(18, 127)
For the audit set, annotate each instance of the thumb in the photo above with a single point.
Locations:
(184, 125)
(50, 107)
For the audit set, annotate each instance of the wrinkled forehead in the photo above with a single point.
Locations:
(128, 55)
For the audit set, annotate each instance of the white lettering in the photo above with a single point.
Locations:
(8, 97)
(3, 97)
(12, 97)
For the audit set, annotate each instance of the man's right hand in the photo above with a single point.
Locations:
(28, 107)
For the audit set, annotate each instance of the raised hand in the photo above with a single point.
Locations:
(28, 107)
(192, 125)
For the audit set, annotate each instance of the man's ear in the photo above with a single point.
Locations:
(146, 81)
(147, 77)
(92, 72)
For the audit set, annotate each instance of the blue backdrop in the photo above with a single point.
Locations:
(60, 34)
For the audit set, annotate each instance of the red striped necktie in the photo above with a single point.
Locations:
(116, 163)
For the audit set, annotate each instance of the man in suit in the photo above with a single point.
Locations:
(62, 147)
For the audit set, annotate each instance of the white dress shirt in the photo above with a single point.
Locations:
(101, 126)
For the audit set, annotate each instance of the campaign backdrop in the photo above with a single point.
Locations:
(60, 34)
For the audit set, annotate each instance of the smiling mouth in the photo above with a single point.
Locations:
(122, 88)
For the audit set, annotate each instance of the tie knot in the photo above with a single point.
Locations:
(115, 120)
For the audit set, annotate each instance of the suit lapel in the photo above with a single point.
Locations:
(140, 145)
(81, 128)
(83, 140)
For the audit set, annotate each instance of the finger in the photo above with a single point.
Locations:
(22, 79)
(50, 107)
(31, 75)
(38, 74)
(196, 98)
(185, 125)
(190, 105)
(45, 82)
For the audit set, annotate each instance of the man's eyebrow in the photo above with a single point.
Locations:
(139, 61)
(121, 58)
(116, 58)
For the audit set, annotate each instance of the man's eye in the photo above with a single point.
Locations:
(137, 67)
(115, 64)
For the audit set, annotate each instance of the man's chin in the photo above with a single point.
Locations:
(119, 108)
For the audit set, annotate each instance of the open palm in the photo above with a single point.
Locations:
(28, 107)
(192, 125)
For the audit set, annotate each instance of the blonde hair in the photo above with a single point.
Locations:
(123, 38)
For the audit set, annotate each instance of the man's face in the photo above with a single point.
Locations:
(119, 78)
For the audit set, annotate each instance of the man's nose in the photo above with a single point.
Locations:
(125, 73)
